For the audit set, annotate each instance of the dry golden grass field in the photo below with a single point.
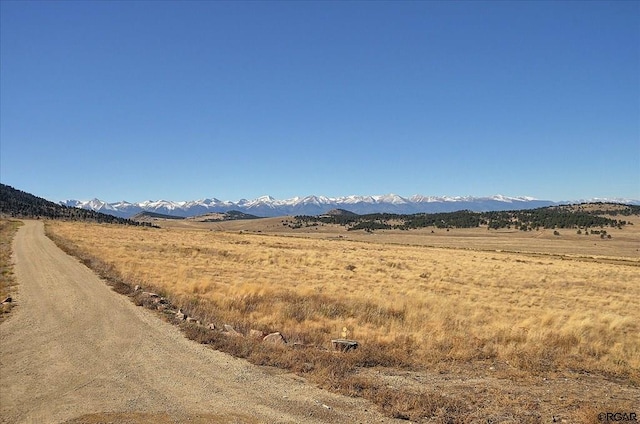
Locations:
(454, 326)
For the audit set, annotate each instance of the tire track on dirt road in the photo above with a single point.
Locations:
(74, 348)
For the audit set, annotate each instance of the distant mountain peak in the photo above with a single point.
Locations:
(265, 199)
(317, 205)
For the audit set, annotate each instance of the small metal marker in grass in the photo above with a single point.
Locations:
(343, 344)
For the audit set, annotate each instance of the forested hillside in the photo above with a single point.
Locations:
(19, 204)
(554, 217)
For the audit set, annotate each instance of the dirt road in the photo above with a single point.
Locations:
(74, 351)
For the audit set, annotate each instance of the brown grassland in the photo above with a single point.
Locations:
(454, 326)
(7, 280)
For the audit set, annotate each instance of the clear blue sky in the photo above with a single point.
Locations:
(186, 100)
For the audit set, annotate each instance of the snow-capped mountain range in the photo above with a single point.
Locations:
(267, 206)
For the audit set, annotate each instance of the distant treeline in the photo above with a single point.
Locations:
(553, 217)
(19, 204)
